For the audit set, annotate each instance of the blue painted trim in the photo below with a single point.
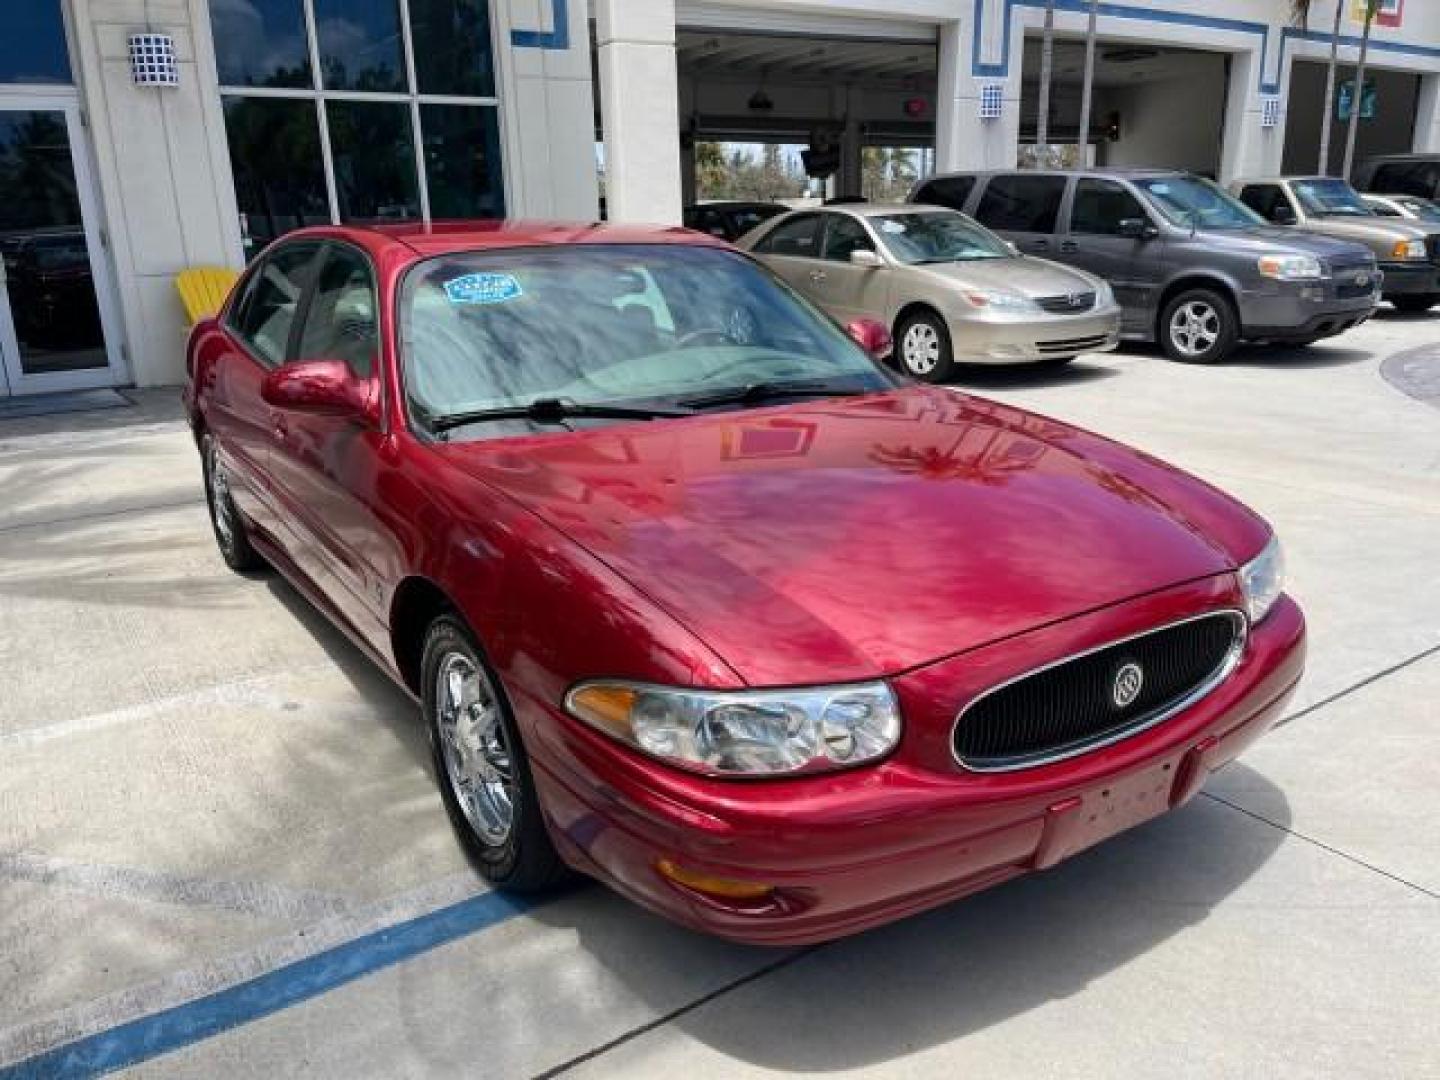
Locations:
(557, 37)
(150, 1036)
(1001, 70)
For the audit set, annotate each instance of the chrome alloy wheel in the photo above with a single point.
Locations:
(220, 504)
(920, 349)
(474, 748)
(1195, 328)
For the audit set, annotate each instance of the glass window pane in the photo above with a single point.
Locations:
(370, 143)
(42, 241)
(279, 174)
(462, 161)
(260, 42)
(32, 43)
(360, 47)
(452, 47)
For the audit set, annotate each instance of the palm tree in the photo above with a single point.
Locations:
(1372, 8)
(1089, 83)
(1300, 11)
(1047, 64)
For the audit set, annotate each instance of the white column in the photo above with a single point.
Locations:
(640, 109)
(1248, 148)
(954, 93)
(1427, 116)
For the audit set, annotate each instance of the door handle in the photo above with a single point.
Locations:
(817, 275)
(1069, 246)
(278, 426)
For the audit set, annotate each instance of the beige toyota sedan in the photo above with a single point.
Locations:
(953, 292)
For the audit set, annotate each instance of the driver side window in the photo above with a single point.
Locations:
(1101, 205)
(1269, 201)
(843, 236)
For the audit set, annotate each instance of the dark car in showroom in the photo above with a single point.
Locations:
(698, 598)
(1193, 268)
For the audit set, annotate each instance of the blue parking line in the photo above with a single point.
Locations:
(145, 1038)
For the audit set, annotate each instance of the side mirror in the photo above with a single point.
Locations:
(865, 257)
(873, 336)
(323, 388)
(1283, 215)
(1138, 229)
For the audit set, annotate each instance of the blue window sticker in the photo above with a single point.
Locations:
(483, 289)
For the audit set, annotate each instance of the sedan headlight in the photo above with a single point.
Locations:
(1410, 249)
(1262, 580)
(745, 732)
(1104, 295)
(1291, 267)
(999, 300)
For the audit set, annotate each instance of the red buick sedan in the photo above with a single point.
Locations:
(699, 599)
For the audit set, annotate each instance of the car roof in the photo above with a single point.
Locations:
(1120, 172)
(450, 237)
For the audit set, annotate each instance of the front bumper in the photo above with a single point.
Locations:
(1411, 278)
(1302, 311)
(852, 850)
(1028, 339)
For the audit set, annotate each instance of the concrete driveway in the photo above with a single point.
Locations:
(221, 852)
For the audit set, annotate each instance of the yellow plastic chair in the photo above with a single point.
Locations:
(203, 289)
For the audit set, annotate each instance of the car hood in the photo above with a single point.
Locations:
(1021, 274)
(852, 538)
(1281, 240)
(1370, 231)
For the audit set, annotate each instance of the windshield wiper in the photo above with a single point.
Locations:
(550, 411)
(759, 392)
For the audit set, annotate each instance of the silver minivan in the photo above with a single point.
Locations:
(1192, 267)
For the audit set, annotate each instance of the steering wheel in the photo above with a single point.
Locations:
(694, 337)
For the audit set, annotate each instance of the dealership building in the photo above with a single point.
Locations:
(142, 137)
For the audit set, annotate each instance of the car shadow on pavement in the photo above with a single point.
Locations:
(1016, 377)
(962, 968)
(1288, 356)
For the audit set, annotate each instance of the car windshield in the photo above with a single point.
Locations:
(1422, 209)
(1194, 203)
(1330, 197)
(938, 237)
(611, 325)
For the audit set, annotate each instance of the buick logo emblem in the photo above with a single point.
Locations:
(1126, 687)
(1076, 300)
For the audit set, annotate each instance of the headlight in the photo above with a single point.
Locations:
(999, 300)
(1410, 249)
(1104, 295)
(1291, 267)
(1262, 580)
(745, 732)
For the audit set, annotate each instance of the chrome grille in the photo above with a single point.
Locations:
(1071, 706)
(1069, 304)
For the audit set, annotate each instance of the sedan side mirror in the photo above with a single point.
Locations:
(873, 336)
(1138, 229)
(1283, 215)
(323, 388)
(865, 257)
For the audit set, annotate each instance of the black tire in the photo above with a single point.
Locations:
(226, 521)
(1415, 304)
(1213, 327)
(524, 858)
(939, 365)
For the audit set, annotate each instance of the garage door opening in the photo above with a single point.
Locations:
(1153, 106)
(807, 116)
(1387, 118)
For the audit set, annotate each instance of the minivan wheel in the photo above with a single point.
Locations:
(481, 764)
(922, 345)
(1415, 305)
(1198, 326)
(225, 520)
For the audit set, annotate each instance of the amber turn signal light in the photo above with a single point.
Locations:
(718, 887)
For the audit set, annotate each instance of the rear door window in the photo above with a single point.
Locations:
(799, 238)
(949, 191)
(1021, 203)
